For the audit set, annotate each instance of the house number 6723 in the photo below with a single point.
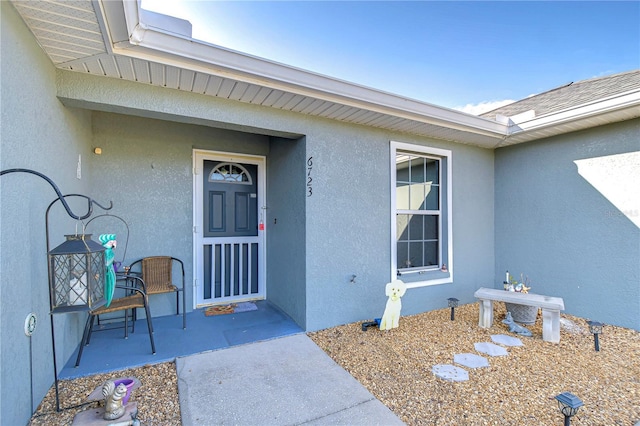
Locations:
(309, 178)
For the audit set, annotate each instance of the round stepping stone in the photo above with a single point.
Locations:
(471, 360)
(503, 339)
(490, 349)
(450, 373)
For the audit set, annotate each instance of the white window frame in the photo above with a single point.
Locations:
(424, 277)
(230, 177)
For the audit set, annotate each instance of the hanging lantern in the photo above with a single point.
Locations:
(77, 275)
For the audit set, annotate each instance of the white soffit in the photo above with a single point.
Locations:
(66, 30)
(299, 87)
(107, 38)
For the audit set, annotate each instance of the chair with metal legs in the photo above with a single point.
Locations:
(157, 273)
(136, 297)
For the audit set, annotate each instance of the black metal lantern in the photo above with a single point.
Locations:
(595, 328)
(568, 404)
(76, 275)
(453, 304)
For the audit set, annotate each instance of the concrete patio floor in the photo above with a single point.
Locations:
(109, 351)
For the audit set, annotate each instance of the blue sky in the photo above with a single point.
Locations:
(452, 54)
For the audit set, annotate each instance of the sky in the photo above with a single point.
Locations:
(472, 56)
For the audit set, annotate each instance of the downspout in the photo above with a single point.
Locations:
(137, 35)
(135, 28)
(507, 122)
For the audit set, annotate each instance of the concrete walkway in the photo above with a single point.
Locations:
(283, 381)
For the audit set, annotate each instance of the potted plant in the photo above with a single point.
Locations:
(523, 314)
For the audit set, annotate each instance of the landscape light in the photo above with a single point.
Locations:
(595, 328)
(568, 404)
(453, 304)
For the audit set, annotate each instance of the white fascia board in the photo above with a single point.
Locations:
(169, 47)
(624, 100)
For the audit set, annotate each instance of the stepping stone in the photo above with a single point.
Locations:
(490, 349)
(450, 373)
(470, 360)
(503, 339)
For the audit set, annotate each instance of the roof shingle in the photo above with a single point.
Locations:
(571, 95)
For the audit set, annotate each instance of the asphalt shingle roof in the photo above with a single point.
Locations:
(571, 95)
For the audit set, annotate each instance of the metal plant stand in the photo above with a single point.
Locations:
(56, 268)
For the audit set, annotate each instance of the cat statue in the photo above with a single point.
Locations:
(516, 328)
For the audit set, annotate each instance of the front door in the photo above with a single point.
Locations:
(229, 228)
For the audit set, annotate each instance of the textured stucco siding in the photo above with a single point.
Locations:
(525, 208)
(146, 170)
(347, 219)
(349, 226)
(553, 225)
(285, 227)
(38, 133)
(316, 241)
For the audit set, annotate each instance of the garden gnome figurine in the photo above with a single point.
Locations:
(109, 242)
(394, 291)
(113, 406)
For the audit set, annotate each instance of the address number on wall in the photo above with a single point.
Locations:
(309, 177)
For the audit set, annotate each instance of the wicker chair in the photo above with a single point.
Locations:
(157, 274)
(136, 298)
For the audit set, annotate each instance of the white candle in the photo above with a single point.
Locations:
(507, 276)
(78, 290)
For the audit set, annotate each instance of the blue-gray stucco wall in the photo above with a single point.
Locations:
(348, 217)
(548, 222)
(39, 133)
(146, 170)
(325, 222)
(555, 227)
(285, 227)
(147, 135)
(349, 222)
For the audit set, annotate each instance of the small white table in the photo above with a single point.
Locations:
(551, 307)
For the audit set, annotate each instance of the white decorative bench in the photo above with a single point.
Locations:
(551, 307)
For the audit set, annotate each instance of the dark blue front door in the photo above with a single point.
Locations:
(230, 232)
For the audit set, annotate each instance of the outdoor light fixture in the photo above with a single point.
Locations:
(453, 304)
(76, 275)
(568, 404)
(595, 328)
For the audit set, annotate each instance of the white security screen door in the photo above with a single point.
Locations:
(228, 228)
